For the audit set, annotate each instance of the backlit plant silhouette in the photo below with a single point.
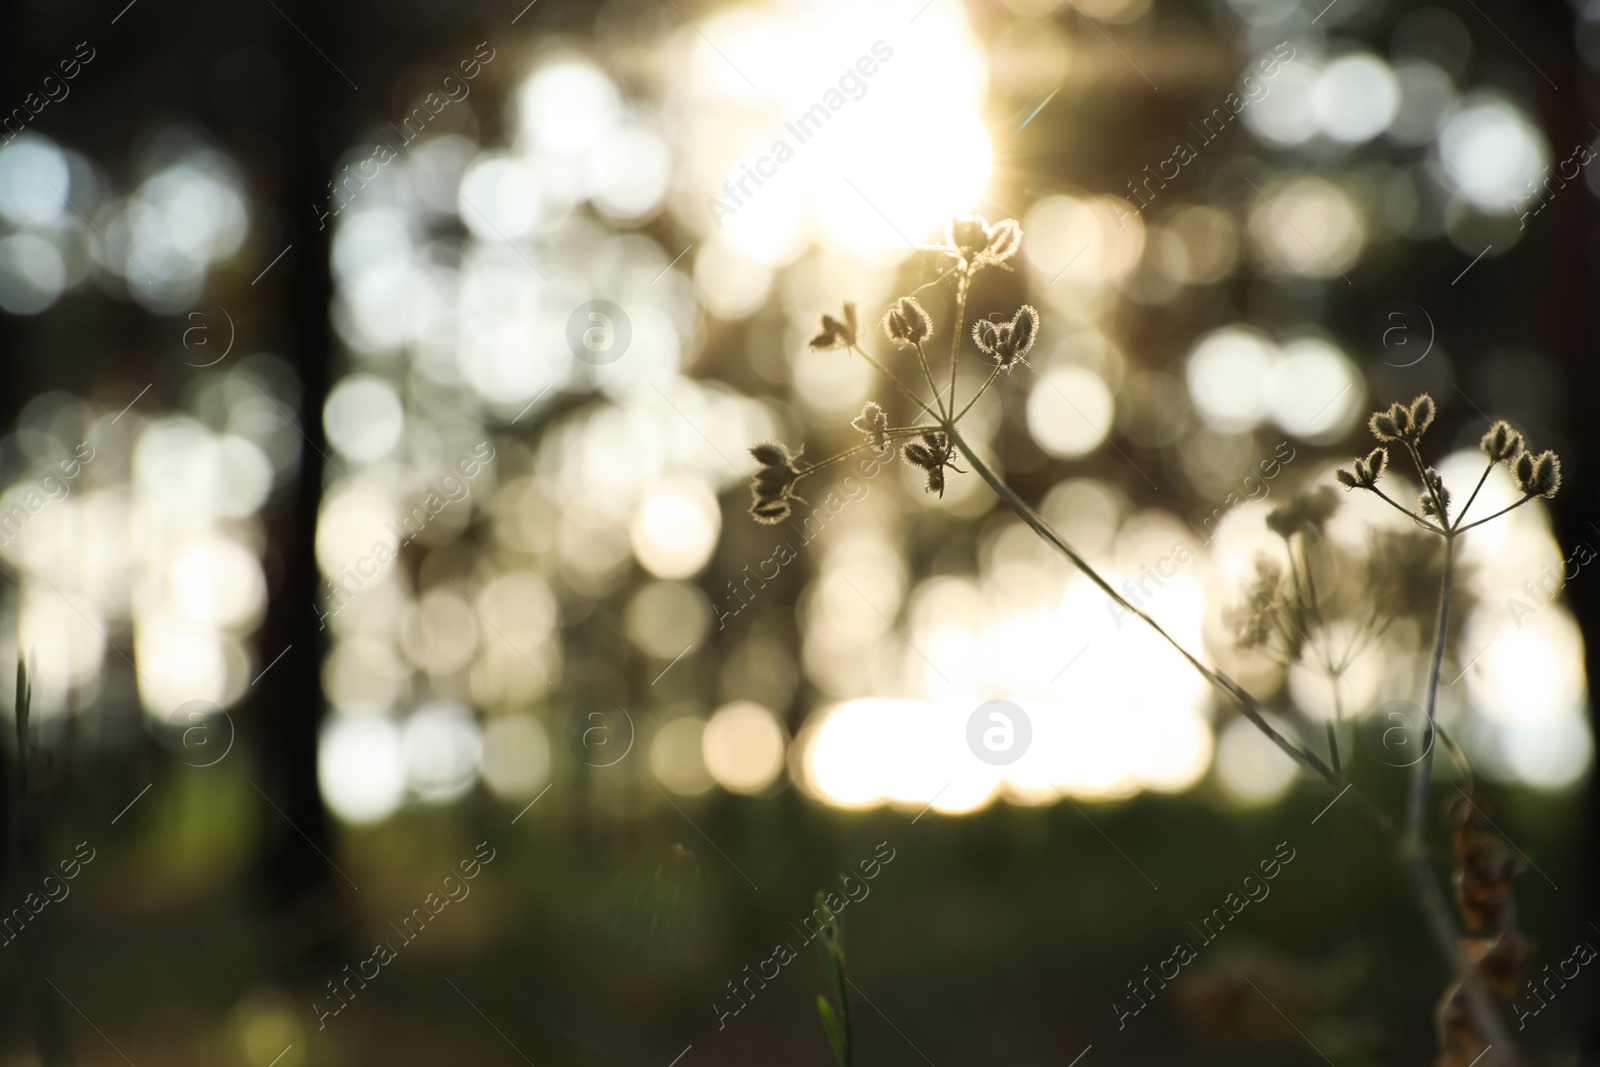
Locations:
(1468, 1018)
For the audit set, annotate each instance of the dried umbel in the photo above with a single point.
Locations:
(873, 423)
(1535, 475)
(931, 454)
(772, 488)
(837, 332)
(906, 323)
(1007, 342)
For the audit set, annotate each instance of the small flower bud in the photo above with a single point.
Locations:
(906, 323)
(1377, 462)
(1348, 480)
(1383, 425)
(1538, 475)
(1501, 444)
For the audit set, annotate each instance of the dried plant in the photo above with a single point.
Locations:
(971, 246)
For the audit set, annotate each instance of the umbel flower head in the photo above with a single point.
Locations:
(836, 332)
(906, 323)
(931, 454)
(976, 242)
(773, 485)
(1007, 342)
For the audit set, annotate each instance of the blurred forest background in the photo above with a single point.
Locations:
(350, 550)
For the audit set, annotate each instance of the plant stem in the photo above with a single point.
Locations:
(1251, 707)
(895, 378)
(1481, 479)
(979, 395)
(1413, 859)
(960, 327)
(933, 390)
(1402, 509)
(1422, 773)
(1496, 515)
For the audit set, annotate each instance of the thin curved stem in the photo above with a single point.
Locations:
(1251, 707)
(1462, 517)
(984, 389)
(1402, 509)
(1413, 860)
(963, 282)
(1422, 773)
(1496, 515)
(1422, 472)
(933, 390)
(900, 431)
(895, 378)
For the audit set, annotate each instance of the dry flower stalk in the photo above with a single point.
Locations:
(972, 245)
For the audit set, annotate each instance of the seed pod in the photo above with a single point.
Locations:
(906, 323)
(1501, 444)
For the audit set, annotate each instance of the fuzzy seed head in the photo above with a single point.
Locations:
(1538, 475)
(1383, 425)
(974, 240)
(1421, 413)
(772, 486)
(906, 323)
(1501, 444)
(1433, 485)
(931, 454)
(1007, 343)
(836, 332)
(874, 424)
